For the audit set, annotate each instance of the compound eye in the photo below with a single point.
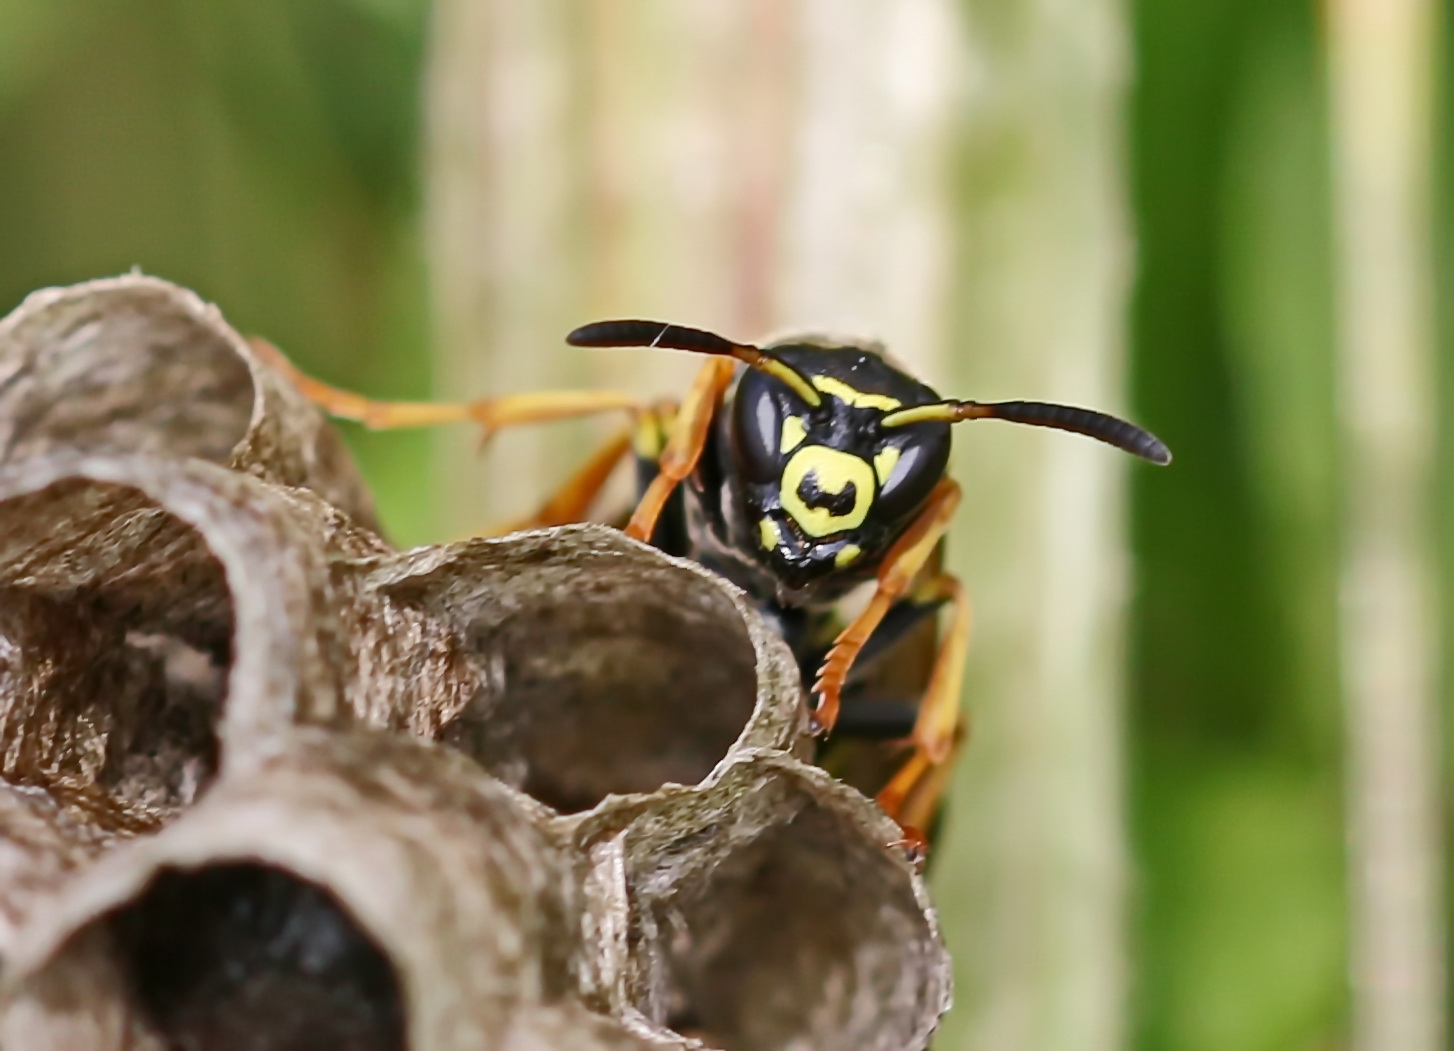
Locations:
(909, 471)
(758, 416)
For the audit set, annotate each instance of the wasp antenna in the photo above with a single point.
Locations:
(679, 337)
(650, 334)
(1092, 424)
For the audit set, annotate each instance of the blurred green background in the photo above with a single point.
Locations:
(268, 154)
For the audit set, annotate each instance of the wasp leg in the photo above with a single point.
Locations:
(684, 446)
(914, 795)
(490, 414)
(911, 797)
(572, 501)
(895, 576)
(652, 432)
(875, 718)
(939, 711)
(902, 618)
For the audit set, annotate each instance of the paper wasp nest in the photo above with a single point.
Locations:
(268, 783)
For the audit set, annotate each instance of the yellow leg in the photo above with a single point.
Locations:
(900, 567)
(490, 414)
(684, 446)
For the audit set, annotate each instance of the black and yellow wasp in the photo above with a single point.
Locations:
(816, 468)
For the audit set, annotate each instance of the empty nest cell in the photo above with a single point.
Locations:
(244, 957)
(127, 364)
(785, 922)
(605, 668)
(115, 635)
(137, 365)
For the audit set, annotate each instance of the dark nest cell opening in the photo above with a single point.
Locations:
(807, 937)
(610, 686)
(244, 957)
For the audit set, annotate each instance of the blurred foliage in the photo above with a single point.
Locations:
(262, 152)
(1235, 722)
(1443, 237)
(265, 153)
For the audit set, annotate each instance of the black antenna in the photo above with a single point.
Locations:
(1092, 424)
(679, 337)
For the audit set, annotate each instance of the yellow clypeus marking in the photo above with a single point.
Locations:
(794, 431)
(834, 471)
(847, 555)
(769, 533)
(884, 463)
(853, 396)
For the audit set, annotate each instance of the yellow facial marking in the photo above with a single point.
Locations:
(794, 431)
(884, 462)
(768, 531)
(858, 399)
(834, 471)
(847, 555)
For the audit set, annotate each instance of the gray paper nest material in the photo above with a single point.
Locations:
(267, 783)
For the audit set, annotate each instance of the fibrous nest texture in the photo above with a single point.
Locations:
(269, 784)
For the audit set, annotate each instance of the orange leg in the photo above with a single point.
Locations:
(913, 797)
(684, 447)
(489, 413)
(900, 567)
(913, 794)
(939, 710)
(572, 501)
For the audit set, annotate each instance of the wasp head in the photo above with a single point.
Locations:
(823, 486)
(834, 451)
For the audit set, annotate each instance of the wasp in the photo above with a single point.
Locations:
(801, 471)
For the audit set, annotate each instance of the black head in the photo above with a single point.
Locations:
(824, 489)
(835, 451)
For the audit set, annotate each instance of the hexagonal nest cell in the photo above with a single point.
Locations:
(87, 367)
(776, 946)
(592, 668)
(117, 625)
(768, 913)
(247, 957)
(268, 783)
